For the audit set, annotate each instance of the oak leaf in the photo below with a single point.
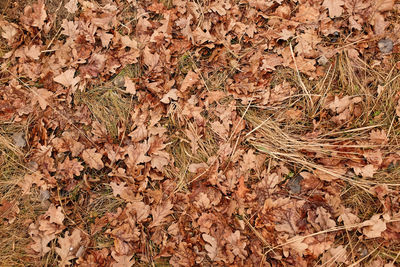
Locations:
(67, 78)
(366, 171)
(374, 226)
(71, 6)
(334, 7)
(55, 215)
(70, 168)
(122, 260)
(241, 189)
(172, 94)
(68, 246)
(150, 59)
(41, 242)
(130, 85)
(211, 247)
(238, 246)
(190, 79)
(41, 96)
(92, 158)
(160, 212)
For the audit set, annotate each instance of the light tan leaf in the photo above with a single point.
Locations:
(150, 59)
(194, 167)
(29, 180)
(142, 210)
(374, 226)
(122, 260)
(334, 7)
(170, 95)
(159, 160)
(160, 212)
(93, 159)
(379, 23)
(55, 214)
(366, 171)
(67, 78)
(72, 6)
(211, 247)
(104, 37)
(33, 52)
(128, 42)
(378, 137)
(385, 5)
(41, 242)
(41, 96)
(190, 79)
(324, 218)
(70, 168)
(298, 245)
(68, 246)
(130, 85)
(348, 217)
(238, 246)
(8, 32)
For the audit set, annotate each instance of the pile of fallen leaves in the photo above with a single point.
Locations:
(240, 133)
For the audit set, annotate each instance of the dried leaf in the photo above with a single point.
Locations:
(55, 215)
(130, 85)
(71, 6)
(190, 79)
(160, 212)
(334, 7)
(374, 226)
(68, 246)
(211, 247)
(93, 159)
(67, 78)
(41, 96)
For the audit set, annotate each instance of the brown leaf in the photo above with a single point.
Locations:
(68, 246)
(130, 85)
(385, 5)
(190, 79)
(366, 171)
(378, 137)
(93, 159)
(172, 94)
(55, 215)
(211, 247)
(242, 189)
(71, 6)
(29, 180)
(67, 78)
(160, 212)
(238, 246)
(69, 168)
(149, 58)
(35, 15)
(374, 226)
(41, 96)
(122, 260)
(334, 7)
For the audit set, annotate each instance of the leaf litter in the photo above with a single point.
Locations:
(211, 133)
